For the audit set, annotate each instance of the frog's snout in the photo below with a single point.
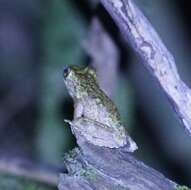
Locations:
(66, 71)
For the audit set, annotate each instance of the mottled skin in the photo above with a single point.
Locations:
(93, 104)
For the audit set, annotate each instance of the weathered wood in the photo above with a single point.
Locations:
(138, 31)
(97, 168)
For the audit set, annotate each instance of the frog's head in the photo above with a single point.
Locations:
(79, 81)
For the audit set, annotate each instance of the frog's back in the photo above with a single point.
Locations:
(99, 107)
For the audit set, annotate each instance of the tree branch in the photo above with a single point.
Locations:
(97, 168)
(159, 61)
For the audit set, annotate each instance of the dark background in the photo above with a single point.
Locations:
(38, 37)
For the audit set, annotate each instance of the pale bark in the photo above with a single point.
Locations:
(138, 31)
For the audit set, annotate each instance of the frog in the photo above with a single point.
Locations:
(95, 117)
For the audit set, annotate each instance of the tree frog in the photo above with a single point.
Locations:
(95, 115)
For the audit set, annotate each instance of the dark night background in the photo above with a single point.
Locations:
(38, 37)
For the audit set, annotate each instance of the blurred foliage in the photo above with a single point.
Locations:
(62, 32)
(125, 102)
(16, 183)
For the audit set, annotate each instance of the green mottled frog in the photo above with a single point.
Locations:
(95, 114)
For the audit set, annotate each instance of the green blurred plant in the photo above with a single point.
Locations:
(17, 183)
(62, 31)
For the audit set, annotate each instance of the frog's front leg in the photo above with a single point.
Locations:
(78, 110)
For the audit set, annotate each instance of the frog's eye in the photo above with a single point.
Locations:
(66, 71)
